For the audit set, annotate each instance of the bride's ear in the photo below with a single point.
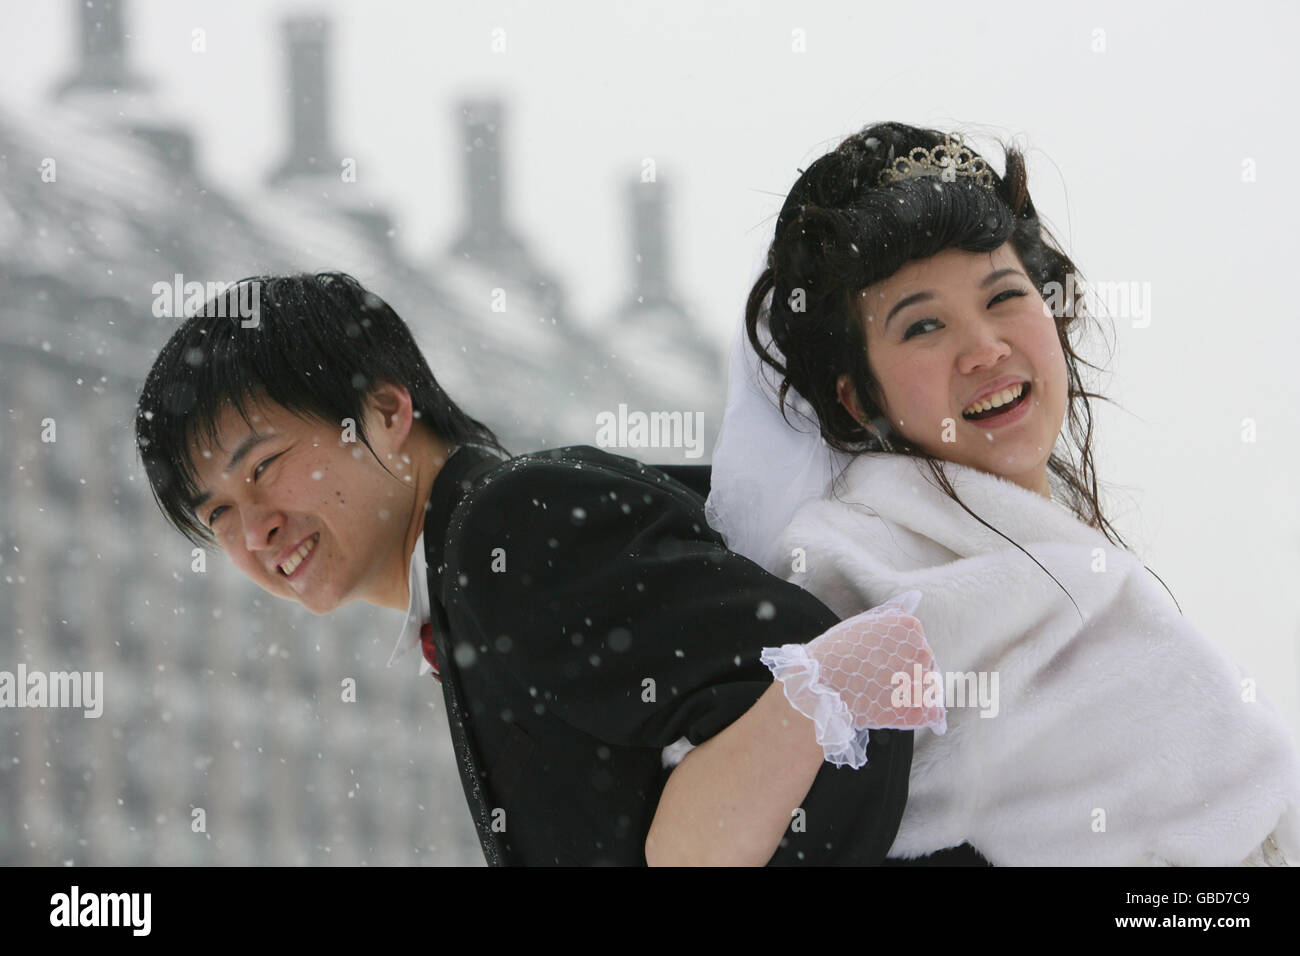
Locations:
(848, 396)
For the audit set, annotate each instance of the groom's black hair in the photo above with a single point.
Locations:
(315, 344)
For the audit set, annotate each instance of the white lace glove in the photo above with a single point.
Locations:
(844, 680)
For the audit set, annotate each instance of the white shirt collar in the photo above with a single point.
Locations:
(418, 612)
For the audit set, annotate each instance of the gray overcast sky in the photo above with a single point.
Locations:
(1135, 150)
(715, 94)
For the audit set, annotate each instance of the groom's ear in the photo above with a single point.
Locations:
(848, 396)
(392, 405)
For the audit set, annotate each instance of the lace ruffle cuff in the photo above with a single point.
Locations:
(799, 673)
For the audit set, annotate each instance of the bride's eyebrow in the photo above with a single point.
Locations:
(251, 441)
(915, 297)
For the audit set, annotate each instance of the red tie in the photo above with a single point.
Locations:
(430, 653)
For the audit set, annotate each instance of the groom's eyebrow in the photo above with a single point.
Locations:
(251, 441)
(915, 297)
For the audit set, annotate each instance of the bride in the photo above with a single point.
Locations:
(896, 422)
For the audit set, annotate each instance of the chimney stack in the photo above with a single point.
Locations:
(486, 238)
(102, 66)
(311, 150)
(652, 286)
(485, 233)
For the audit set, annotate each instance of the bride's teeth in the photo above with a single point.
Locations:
(295, 559)
(1001, 398)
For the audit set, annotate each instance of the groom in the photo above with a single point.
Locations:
(586, 624)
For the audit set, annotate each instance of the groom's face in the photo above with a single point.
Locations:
(284, 486)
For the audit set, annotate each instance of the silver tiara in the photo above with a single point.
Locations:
(947, 161)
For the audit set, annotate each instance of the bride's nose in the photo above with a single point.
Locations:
(982, 347)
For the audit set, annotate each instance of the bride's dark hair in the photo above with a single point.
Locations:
(839, 232)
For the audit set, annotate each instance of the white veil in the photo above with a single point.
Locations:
(764, 468)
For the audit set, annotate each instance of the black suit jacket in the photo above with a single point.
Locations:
(586, 616)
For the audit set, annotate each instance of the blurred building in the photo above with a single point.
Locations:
(218, 697)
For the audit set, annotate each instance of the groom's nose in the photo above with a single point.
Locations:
(262, 526)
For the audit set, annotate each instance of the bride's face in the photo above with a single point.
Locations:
(940, 332)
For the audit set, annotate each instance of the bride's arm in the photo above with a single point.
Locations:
(730, 800)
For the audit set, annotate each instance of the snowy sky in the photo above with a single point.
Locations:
(1137, 118)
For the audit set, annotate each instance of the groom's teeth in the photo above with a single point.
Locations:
(295, 559)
